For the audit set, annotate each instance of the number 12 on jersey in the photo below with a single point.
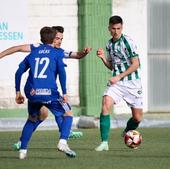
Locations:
(38, 62)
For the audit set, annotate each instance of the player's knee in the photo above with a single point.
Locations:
(137, 115)
(138, 118)
(43, 113)
(106, 107)
(107, 104)
(105, 110)
(33, 118)
(68, 113)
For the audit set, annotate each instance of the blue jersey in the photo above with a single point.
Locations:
(44, 63)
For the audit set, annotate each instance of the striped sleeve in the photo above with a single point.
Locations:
(109, 59)
(131, 47)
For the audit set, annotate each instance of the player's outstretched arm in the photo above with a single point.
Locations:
(14, 49)
(80, 54)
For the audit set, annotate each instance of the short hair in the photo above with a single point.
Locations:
(115, 20)
(47, 34)
(58, 28)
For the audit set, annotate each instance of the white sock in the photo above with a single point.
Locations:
(62, 141)
(23, 150)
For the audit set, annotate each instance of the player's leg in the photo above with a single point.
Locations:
(64, 135)
(59, 108)
(25, 137)
(134, 121)
(43, 115)
(67, 108)
(135, 101)
(66, 125)
(107, 103)
(59, 119)
(73, 134)
(31, 123)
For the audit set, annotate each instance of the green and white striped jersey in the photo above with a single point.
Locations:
(119, 53)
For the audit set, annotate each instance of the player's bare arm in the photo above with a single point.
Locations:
(134, 66)
(100, 54)
(14, 49)
(80, 54)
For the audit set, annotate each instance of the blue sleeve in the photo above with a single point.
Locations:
(62, 74)
(23, 67)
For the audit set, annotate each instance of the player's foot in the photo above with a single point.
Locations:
(22, 154)
(103, 146)
(65, 148)
(16, 146)
(75, 134)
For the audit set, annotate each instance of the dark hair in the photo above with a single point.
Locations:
(115, 20)
(58, 28)
(47, 34)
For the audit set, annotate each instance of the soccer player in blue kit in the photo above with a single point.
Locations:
(44, 64)
(67, 54)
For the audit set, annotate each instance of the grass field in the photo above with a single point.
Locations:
(154, 152)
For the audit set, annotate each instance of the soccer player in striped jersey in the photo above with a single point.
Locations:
(125, 84)
(67, 55)
(44, 64)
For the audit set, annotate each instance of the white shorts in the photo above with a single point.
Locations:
(130, 91)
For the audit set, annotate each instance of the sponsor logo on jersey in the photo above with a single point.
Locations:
(43, 91)
(32, 92)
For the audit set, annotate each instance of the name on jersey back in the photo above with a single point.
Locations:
(44, 51)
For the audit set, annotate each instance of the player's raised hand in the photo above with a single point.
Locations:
(100, 53)
(19, 98)
(87, 50)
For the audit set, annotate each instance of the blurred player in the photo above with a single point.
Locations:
(125, 84)
(44, 64)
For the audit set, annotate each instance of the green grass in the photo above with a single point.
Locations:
(154, 152)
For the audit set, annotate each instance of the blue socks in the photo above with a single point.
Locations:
(27, 131)
(64, 124)
(66, 127)
(59, 120)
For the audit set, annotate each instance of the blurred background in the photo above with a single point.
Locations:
(86, 24)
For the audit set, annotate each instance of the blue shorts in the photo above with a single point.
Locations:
(58, 108)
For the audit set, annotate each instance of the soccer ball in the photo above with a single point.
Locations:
(132, 138)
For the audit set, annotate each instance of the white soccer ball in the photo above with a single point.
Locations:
(132, 138)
